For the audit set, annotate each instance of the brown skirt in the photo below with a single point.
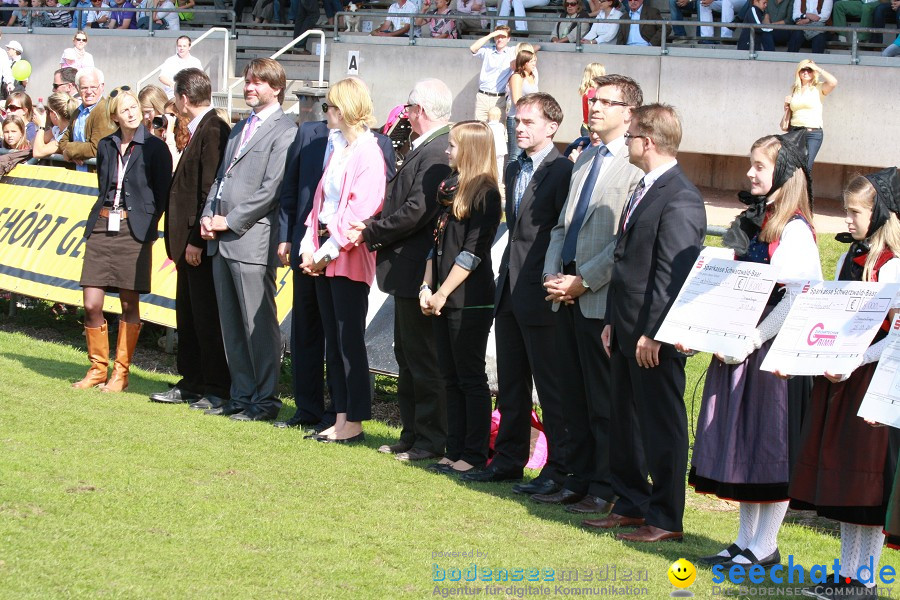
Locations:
(116, 260)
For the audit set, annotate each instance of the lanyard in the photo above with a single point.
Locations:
(120, 176)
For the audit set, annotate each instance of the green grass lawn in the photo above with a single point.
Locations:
(111, 496)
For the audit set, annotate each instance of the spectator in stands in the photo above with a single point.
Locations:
(522, 82)
(264, 11)
(677, 11)
(885, 12)
(20, 17)
(637, 34)
(605, 33)
(470, 7)
(811, 13)
(6, 8)
(163, 14)
(567, 30)
(811, 84)
(19, 103)
(586, 90)
(153, 103)
(64, 81)
(864, 10)
(518, 8)
(79, 18)
(496, 69)
(14, 133)
(53, 17)
(181, 60)
(76, 57)
(762, 37)
(128, 207)
(397, 26)
(439, 25)
(780, 12)
(98, 19)
(893, 49)
(307, 15)
(60, 108)
(727, 8)
(123, 16)
(91, 124)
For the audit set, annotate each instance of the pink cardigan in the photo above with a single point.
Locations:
(362, 194)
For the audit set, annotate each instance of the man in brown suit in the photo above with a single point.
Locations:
(201, 354)
(91, 124)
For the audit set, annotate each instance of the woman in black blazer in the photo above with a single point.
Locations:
(459, 291)
(134, 170)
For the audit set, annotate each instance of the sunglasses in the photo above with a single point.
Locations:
(13, 107)
(115, 92)
(56, 86)
(571, 4)
(326, 106)
(80, 39)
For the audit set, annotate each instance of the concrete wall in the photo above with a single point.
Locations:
(123, 58)
(726, 101)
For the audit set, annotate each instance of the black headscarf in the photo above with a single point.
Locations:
(791, 156)
(887, 200)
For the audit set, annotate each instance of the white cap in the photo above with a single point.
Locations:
(15, 46)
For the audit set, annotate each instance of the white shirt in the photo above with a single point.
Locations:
(173, 65)
(495, 69)
(634, 30)
(797, 256)
(418, 141)
(408, 8)
(604, 33)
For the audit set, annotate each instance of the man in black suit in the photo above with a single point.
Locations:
(660, 236)
(402, 236)
(306, 160)
(525, 326)
(201, 354)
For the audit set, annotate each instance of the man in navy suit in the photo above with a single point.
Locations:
(306, 160)
(659, 237)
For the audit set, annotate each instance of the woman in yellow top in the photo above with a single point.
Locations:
(811, 84)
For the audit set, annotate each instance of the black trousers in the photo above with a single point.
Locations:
(306, 18)
(525, 352)
(201, 354)
(343, 304)
(583, 373)
(649, 436)
(308, 352)
(461, 335)
(420, 387)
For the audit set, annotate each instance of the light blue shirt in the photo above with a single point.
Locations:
(634, 30)
(78, 128)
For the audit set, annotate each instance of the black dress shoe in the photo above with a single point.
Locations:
(717, 559)
(537, 486)
(175, 395)
(444, 468)
(254, 415)
(225, 411)
(590, 505)
(208, 402)
(772, 559)
(490, 475)
(563, 496)
(293, 422)
(359, 437)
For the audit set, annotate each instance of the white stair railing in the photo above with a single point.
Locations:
(223, 79)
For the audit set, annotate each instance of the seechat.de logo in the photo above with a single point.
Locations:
(682, 575)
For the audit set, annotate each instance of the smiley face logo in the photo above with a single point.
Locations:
(682, 573)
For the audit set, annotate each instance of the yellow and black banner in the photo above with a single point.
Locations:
(43, 211)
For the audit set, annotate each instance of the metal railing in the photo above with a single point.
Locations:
(285, 48)
(223, 87)
(665, 25)
(151, 30)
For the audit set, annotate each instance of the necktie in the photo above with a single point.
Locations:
(584, 199)
(633, 202)
(526, 170)
(249, 128)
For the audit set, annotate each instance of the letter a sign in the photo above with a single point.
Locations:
(353, 62)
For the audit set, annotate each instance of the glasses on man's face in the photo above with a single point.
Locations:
(631, 136)
(116, 91)
(605, 102)
(56, 86)
(408, 107)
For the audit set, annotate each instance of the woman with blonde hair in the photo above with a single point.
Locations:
(803, 107)
(586, 90)
(351, 190)
(120, 232)
(742, 450)
(59, 109)
(458, 290)
(845, 469)
(153, 104)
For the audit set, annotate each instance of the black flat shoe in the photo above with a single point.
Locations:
(359, 437)
(443, 468)
(772, 559)
(717, 559)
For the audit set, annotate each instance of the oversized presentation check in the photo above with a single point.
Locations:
(882, 400)
(829, 327)
(719, 304)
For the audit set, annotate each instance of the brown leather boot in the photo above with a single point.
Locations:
(125, 345)
(98, 354)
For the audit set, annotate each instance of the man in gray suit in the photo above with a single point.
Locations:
(577, 269)
(239, 221)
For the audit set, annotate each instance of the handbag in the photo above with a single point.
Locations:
(786, 119)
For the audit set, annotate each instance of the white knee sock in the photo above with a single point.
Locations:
(749, 521)
(850, 547)
(871, 541)
(765, 541)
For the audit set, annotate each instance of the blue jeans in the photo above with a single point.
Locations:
(676, 13)
(813, 144)
(332, 7)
